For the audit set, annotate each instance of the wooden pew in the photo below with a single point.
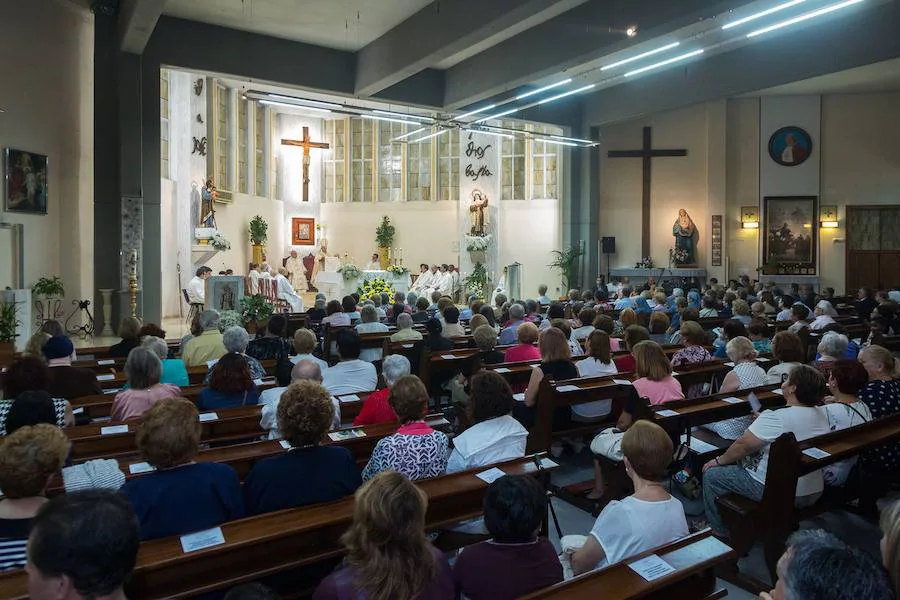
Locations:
(693, 559)
(302, 541)
(772, 519)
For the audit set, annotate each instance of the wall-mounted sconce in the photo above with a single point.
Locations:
(828, 217)
(749, 217)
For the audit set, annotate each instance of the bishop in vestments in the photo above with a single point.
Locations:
(296, 272)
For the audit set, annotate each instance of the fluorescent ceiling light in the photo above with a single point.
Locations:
(764, 13)
(428, 137)
(543, 89)
(558, 142)
(406, 135)
(476, 111)
(297, 106)
(664, 63)
(560, 137)
(313, 102)
(801, 18)
(640, 56)
(405, 117)
(488, 132)
(498, 115)
(377, 118)
(569, 93)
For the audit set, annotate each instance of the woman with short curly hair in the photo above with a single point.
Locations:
(309, 472)
(181, 495)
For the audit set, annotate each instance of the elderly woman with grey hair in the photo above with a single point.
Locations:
(405, 332)
(825, 314)
(173, 370)
(236, 339)
(370, 324)
(377, 408)
(143, 370)
(207, 346)
(832, 347)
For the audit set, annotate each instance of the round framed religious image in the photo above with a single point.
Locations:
(790, 146)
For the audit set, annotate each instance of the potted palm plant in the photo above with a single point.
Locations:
(566, 262)
(384, 237)
(258, 236)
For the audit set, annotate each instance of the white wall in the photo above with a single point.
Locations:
(46, 90)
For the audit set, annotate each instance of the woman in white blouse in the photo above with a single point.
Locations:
(844, 409)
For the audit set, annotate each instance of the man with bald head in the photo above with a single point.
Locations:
(305, 370)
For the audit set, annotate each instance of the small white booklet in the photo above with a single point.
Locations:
(491, 475)
(651, 567)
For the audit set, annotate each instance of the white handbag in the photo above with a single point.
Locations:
(608, 443)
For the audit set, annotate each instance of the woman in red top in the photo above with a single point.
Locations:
(376, 408)
(633, 335)
(527, 335)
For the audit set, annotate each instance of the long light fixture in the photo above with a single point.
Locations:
(764, 13)
(497, 116)
(304, 100)
(406, 135)
(564, 94)
(429, 136)
(543, 89)
(569, 139)
(297, 106)
(405, 117)
(557, 142)
(804, 17)
(488, 132)
(664, 63)
(390, 119)
(475, 112)
(640, 56)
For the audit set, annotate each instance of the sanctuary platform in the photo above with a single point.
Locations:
(659, 274)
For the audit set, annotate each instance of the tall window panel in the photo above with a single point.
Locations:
(259, 149)
(448, 165)
(243, 158)
(164, 123)
(335, 135)
(222, 171)
(390, 161)
(418, 170)
(362, 159)
(512, 168)
(545, 160)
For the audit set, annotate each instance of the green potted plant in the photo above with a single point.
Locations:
(52, 292)
(566, 262)
(256, 310)
(258, 236)
(384, 237)
(476, 283)
(8, 335)
(49, 288)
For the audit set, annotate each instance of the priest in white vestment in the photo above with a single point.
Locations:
(296, 272)
(454, 281)
(265, 271)
(285, 292)
(445, 282)
(253, 279)
(423, 281)
(374, 264)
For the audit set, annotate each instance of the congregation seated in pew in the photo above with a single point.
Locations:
(305, 370)
(377, 407)
(26, 381)
(787, 349)
(304, 346)
(143, 370)
(309, 473)
(236, 341)
(745, 374)
(844, 409)
(405, 331)
(351, 374)
(180, 496)
(434, 341)
(693, 338)
(370, 324)
(272, 345)
(65, 380)
(206, 346)
(556, 365)
(173, 369)
(524, 350)
(416, 450)
(485, 339)
(231, 383)
(598, 362)
(129, 331)
(633, 335)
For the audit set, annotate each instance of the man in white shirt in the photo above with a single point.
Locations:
(374, 264)
(196, 287)
(286, 292)
(351, 375)
(253, 278)
(269, 399)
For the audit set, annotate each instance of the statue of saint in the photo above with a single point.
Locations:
(685, 233)
(319, 265)
(478, 209)
(207, 209)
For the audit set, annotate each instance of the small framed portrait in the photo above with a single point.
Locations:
(303, 232)
(26, 182)
(790, 146)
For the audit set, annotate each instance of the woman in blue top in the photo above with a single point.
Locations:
(173, 369)
(641, 306)
(180, 496)
(230, 385)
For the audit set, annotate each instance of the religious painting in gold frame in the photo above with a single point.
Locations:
(303, 232)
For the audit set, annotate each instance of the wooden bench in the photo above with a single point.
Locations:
(693, 558)
(304, 542)
(772, 519)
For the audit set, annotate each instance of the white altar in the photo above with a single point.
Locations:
(335, 287)
(659, 274)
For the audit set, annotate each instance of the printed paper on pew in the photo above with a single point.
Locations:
(729, 364)
(103, 363)
(502, 370)
(285, 444)
(407, 346)
(112, 391)
(622, 382)
(78, 411)
(816, 453)
(109, 377)
(202, 539)
(113, 429)
(346, 434)
(520, 397)
(204, 417)
(546, 463)
(258, 381)
(211, 363)
(778, 391)
(449, 356)
(651, 567)
(568, 388)
(698, 446)
(491, 475)
(141, 467)
(732, 400)
(349, 398)
(667, 413)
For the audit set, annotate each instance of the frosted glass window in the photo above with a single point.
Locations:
(512, 168)
(448, 165)
(418, 169)
(164, 123)
(259, 149)
(335, 135)
(390, 161)
(362, 159)
(545, 159)
(243, 146)
(222, 171)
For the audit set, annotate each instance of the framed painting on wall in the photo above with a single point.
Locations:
(303, 232)
(790, 230)
(26, 182)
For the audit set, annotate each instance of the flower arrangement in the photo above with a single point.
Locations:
(477, 243)
(219, 242)
(384, 234)
(397, 270)
(477, 281)
(349, 271)
(678, 255)
(371, 287)
(644, 263)
(230, 318)
(255, 308)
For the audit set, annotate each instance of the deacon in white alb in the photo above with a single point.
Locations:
(196, 287)
(421, 282)
(374, 264)
(445, 283)
(285, 292)
(253, 277)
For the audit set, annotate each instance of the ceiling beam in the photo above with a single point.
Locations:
(570, 40)
(137, 20)
(442, 30)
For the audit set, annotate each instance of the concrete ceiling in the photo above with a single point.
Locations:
(340, 24)
(878, 77)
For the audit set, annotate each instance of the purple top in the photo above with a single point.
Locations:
(494, 571)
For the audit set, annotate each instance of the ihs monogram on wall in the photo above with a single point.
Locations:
(199, 146)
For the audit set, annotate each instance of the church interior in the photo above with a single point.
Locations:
(178, 162)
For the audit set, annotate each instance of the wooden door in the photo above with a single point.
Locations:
(873, 247)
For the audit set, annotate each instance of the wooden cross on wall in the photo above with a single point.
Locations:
(306, 144)
(647, 153)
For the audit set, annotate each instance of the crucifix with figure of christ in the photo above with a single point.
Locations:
(647, 153)
(306, 144)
